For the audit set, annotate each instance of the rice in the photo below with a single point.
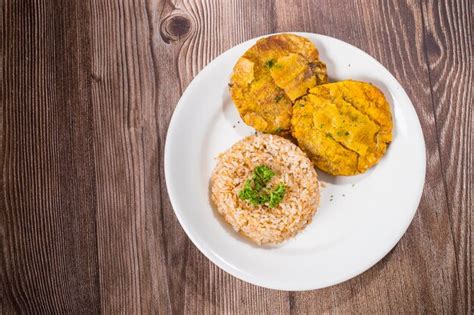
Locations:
(262, 224)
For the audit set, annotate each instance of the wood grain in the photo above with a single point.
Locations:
(48, 215)
(126, 156)
(448, 45)
(87, 91)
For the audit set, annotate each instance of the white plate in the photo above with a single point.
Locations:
(366, 218)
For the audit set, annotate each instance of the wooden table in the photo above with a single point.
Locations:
(87, 92)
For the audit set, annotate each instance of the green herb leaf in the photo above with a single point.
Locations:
(278, 97)
(255, 190)
(262, 175)
(269, 63)
(248, 193)
(277, 195)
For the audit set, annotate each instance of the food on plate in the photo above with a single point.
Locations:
(270, 76)
(266, 188)
(280, 86)
(344, 127)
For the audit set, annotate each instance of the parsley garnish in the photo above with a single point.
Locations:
(261, 176)
(270, 63)
(255, 190)
(277, 195)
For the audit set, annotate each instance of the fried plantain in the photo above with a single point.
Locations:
(344, 127)
(270, 76)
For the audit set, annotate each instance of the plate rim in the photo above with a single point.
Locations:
(216, 259)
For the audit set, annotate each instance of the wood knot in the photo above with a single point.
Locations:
(96, 77)
(175, 27)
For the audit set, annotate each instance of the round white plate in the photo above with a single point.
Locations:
(360, 218)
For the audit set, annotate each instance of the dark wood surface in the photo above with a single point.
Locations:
(87, 92)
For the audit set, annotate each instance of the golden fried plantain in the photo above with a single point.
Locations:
(344, 127)
(270, 76)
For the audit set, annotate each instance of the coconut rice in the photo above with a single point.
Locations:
(262, 224)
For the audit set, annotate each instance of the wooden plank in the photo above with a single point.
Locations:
(419, 262)
(131, 227)
(422, 263)
(48, 200)
(188, 35)
(448, 45)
